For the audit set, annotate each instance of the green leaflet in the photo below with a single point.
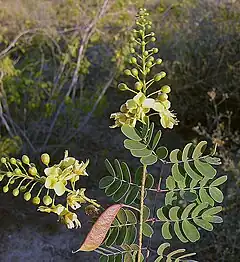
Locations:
(219, 181)
(126, 172)
(110, 167)
(190, 231)
(173, 213)
(204, 197)
(176, 173)
(121, 236)
(203, 224)
(175, 156)
(179, 233)
(156, 139)
(146, 213)
(141, 153)
(131, 235)
(122, 216)
(118, 169)
(170, 183)
(132, 195)
(162, 248)
(186, 153)
(199, 149)
(166, 230)
(216, 194)
(147, 230)
(205, 169)
(131, 218)
(162, 152)
(130, 132)
(134, 145)
(148, 160)
(106, 182)
(194, 175)
(113, 188)
(187, 210)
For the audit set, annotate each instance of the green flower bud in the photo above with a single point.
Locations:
(47, 200)
(5, 189)
(134, 71)
(145, 53)
(149, 27)
(1, 177)
(153, 39)
(158, 61)
(15, 192)
(18, 171)
(138, 86)
(12, 181)
(13, 161)
(162, 97)
(132, 38)
(143, 43)
(141, 12)
(159, 76)
(122, 87)
(32, 171)
(132, 50)
(149, 64)
(166, 89)
(152, 34)
(36, 200)
(45, 158)
(25, 159)
(3, 160)
(141, 31)
(127, 72)
(9, 174)
(147, 70)
(151, 59)
(155, 50)
(150, 22)
(23, 188)
(133, 60)
(27, 196)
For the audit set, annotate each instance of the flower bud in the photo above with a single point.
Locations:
(12, 181)
(1, 177)
(145, 53)
(138, 86)
(132, 50)
(23, 188)
(15, 192)
(9, 174)
(127, 72)
(155, 50)
(47, 200)
(27, 196)
(151, 59)
(122, 87)
(45, 158)
(149, 27)
(143, 43)
(13, 161)
(132, 38)
(153, 39)
(25, 159)
(133, 60)
(159, 76)
(152, 34)
(36, 200)
(158, 61)
(149, 64)
(32, 171)
(162, 97)
(166, 89)
(3, 160)
(134, 71)
(141, 31)
(147, 70)
(5, 189)
(18, 171)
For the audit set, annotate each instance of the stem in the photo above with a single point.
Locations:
(140, 238)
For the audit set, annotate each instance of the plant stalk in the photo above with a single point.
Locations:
(140, 237)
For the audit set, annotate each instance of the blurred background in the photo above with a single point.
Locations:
(60, 63)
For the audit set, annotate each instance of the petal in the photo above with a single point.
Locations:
(139, 98)
(148, 103)
(59, 188)
(52, 171)
(50, 182)
(158, 107)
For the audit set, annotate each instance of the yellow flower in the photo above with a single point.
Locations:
(70, 219)
(74, 200)
(168, 119)
(58, 209)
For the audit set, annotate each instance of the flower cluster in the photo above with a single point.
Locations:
(142, 105)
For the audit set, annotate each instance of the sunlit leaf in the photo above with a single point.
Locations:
(205, 169)
(131, 144)
(173, 213)
(204, 197)
(199, 149)
(148, 160)
(203, 224)
(130, 132)
(190, 231)
(186, 153)
(175, 156)
(194, 175)
(170, 183)
(176, 173)
(156, 139)
(219, 181)
(179, 233)
(216, 194)
(147, 230)
(141, 153)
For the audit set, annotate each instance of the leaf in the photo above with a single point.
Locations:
(186, 153)
(190, 196)
(212, 211)
(103, 259)
(150, 133)
(130, 132)
(156, 139)
(132, 195)
(106, 182)
(131, 235)
(126, 172)
(145, 129)
(110, 167)
(121, 236)
(179, 233)
(174, 156)
(204, 197)
(131, 218)
(170, 197)
(166, 230)
(171, 254)
(194, 175)
(184, 256)
(131, 144)
(203, 224)
(162, 152)
(111, 190)
(148, 160)
(170, 183)
(213, 160)
(138, 176)
(176, 173)
(187, 210)
(198, 209)
(112, 237)
(149, 181)
(205, 169)
(147, 230)
(161, 215)
(99, 230)
(118, 169)
(121, 192)
(122, 216)
(216, 194)
(141, 153)
(173, 213)
(219, 181)
(162, 248)
(190, 231)
(199, 149)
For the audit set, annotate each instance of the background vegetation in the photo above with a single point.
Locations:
(59, 66)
